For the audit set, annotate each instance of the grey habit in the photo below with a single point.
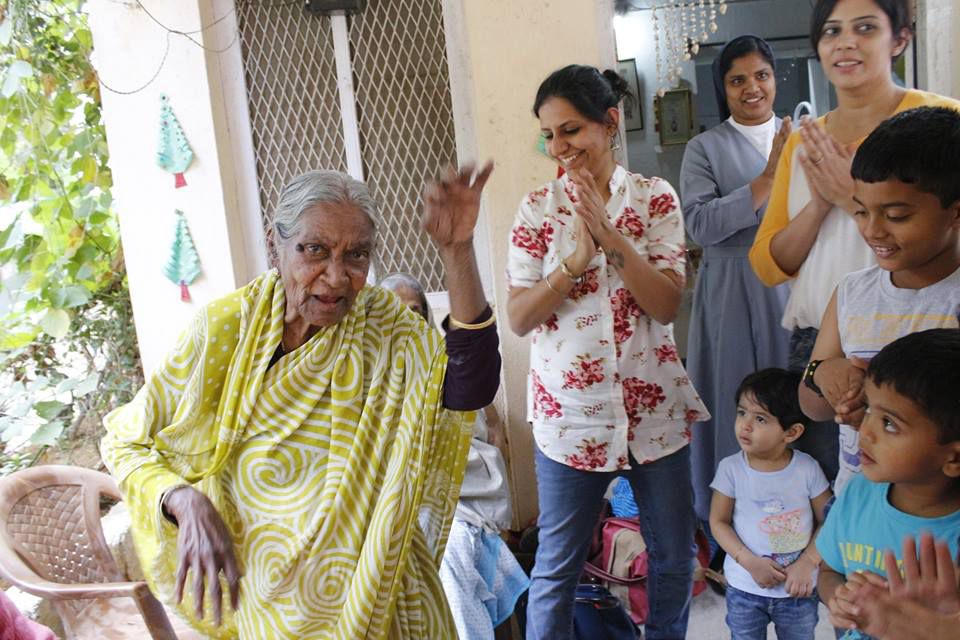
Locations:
(735, 324)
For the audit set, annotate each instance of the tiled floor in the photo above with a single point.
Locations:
(707, 620)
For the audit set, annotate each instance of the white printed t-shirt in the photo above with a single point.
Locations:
(871, 313)
(605, 378)
(772, 514)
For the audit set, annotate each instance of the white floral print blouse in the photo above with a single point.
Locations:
(605, 378)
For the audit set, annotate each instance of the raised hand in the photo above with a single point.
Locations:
(843, 607)
(922, 604)
(590, 206)
(204, 547)
(451, 205)
(586, 248)
(932, 581)
(779, 140)
(826, 164)
(889, 618)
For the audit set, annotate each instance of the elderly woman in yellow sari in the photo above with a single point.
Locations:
(309, 433)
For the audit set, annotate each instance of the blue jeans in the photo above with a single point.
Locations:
(748, 616)
(570, 502)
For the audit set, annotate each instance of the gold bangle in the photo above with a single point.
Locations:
(473, 327)
(566, 271)
(550, 286)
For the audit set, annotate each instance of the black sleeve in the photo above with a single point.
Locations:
(473, 365)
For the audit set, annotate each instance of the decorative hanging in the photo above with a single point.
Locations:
(679, 28)
(183, 267)
(173, 150)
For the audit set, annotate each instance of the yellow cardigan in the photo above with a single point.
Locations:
(777, 215)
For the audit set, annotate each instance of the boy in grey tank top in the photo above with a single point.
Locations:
(907, 188)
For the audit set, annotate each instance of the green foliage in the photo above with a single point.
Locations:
(66, 334)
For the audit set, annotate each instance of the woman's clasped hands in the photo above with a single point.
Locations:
(826, 163)
(592, 228)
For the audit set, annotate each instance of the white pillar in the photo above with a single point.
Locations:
(499, 51)
(938, 55)
(206, 91)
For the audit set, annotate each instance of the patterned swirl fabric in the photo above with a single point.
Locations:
(336, 471)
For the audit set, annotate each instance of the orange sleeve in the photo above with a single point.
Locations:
(775, 219)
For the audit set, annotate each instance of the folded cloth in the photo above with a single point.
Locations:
(16, 626)
(481, 579)
(484, 494)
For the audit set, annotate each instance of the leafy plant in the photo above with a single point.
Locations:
(67, 346)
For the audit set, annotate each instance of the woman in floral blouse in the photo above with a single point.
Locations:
(596, 270)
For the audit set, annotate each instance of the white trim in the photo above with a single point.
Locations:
(464, 130)
(348, 107)
(938, 23)
(238, 158)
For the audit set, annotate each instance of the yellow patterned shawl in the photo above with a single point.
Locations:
(336, 470)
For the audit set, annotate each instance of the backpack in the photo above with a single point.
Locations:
(618, 560)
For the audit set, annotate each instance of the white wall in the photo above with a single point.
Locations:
(938, 22)
(128, 48)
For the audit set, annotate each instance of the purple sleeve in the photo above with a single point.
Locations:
(473, 366)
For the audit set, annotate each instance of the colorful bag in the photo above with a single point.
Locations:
(619, 561)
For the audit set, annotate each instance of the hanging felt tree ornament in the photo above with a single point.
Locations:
(173, 150)
(183, 267)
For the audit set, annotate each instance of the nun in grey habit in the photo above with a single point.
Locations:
(735, 324)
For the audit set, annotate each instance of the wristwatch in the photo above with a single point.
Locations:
(808, 372)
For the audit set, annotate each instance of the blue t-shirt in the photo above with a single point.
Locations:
(862, 525)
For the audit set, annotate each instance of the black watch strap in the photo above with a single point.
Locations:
(808, 376)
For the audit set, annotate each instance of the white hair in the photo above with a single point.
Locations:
(320, 187)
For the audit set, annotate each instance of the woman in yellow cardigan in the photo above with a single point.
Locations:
(807, 235)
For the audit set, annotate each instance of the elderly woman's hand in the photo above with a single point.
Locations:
(205, 547)
(452, 203)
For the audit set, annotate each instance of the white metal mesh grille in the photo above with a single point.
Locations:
(292, 93)
(404, 112)
(406, 122)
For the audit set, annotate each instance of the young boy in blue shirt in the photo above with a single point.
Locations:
(910, 455)
(768, 501)
(906, 180)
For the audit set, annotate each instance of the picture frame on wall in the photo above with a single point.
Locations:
(633, 106)
(674, 112)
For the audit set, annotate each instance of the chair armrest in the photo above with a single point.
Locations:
(60, 591)
(15, 571)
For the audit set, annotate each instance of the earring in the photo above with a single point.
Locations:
(614, 142)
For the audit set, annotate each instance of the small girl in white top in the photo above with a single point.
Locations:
(768, 502)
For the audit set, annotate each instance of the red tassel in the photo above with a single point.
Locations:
(179, 181)
(184, 292)
(560, 172)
